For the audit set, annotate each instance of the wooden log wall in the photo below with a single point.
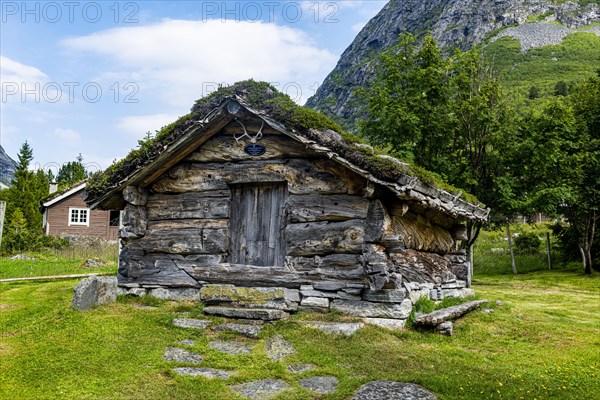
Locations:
(333, 233)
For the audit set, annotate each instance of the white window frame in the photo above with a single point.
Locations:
(78, 223)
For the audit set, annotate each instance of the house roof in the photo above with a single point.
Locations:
(63, 194)
(259, 100)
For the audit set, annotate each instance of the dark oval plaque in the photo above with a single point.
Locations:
(254, 149)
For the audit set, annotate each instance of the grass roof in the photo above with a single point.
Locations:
(264, 98)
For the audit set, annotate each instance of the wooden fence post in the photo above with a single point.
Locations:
(2, 212)
(548, 249)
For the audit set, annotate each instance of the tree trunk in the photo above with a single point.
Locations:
(586, 258)
(510, 246)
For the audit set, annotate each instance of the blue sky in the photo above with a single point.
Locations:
(94, 77)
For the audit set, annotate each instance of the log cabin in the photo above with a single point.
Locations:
(253, 203)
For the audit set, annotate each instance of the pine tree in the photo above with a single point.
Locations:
(71, 173)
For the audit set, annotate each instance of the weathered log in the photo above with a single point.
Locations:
(153, 270)
(446, 314)
(135, 196)
(320, 238)
(316, 207)
(252, 276)
(328, 267)
(134, 222)
(302, 176)
(378, 222)
(224, 148)
(202, 205)
(379, 268)
(415, 232)
(422, 267)
(186, 237)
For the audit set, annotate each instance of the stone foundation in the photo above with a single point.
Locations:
(385, 307)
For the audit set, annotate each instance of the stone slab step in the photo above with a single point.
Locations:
(264, 314)
(191, 323)
(205, 372)
(261, 390)
(248, 330)
(183, 356)
(320, 384)
(344, 328)
(230, 347)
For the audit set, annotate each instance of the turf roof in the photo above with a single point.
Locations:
(265, 99)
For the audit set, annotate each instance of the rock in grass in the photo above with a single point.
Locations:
(343, 328)
(445, 328)
(94, 290)
(191, 323)
(205, 372)
(261, 390)
(278, 348)
(387, 390)
(179, 355)
(320, 384)
(230, 347)
(243, 329)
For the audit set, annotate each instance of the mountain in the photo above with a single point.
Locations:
(7, 168)
(524, 39)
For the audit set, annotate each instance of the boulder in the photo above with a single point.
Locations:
(93, 291)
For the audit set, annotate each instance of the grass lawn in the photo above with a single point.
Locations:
(543, 342)
(58, 262)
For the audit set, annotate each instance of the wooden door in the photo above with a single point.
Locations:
(257, 224)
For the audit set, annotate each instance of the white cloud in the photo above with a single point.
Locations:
(138, 125)
(14, 71)
(178, 59)
(22, 83)
(68, 135)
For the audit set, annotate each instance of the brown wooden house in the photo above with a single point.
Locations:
(244, 209)
(65, 212)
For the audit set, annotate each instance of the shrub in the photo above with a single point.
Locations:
(527, 243)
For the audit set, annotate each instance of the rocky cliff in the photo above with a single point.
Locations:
(7, 168)
(454, 24)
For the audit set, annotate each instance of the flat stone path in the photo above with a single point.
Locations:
(387, 390)
(278, 348)
(261, 390)
(183, 356)
(343, 328)
(247, 330)
(205, 372)
(191, 323)
(230, 347)
(320, 384)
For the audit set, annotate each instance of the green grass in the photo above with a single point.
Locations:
(59, 262)
(577, 56)
(542, 342)
(491, 254)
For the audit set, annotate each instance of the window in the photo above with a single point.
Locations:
(114, 218)
(79, 216)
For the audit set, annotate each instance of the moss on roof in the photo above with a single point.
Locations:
(267, 100)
